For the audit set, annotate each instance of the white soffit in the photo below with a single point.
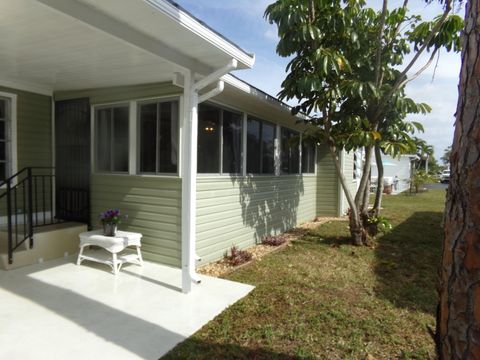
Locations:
(77, 44)
(165, 22)
(41, 46)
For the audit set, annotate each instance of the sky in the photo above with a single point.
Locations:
(242, 22)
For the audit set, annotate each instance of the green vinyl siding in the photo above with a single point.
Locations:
(121, 93)
(327, 184)
(34, 138)
(242, 210)
(34, 128)
(153, 206)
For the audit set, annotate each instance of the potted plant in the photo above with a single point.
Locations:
(110, 220)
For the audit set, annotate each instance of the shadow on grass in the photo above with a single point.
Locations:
(196, 350)
(406, 262)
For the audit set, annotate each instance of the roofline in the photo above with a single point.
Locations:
(199, 28)
(258, 93)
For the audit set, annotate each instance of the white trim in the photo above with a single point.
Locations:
(54, 156)
(132, 138)
(13, 131)
(341, 196)
(26, 86)
(244, 143)
(193, 25)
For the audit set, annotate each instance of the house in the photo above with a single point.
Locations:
(397, 172)
(132, 105)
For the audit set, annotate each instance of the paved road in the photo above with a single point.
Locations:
(436, 186)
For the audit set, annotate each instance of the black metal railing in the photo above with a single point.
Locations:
(27, 200)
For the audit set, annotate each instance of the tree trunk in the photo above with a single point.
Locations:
(355, 222)
(379, 193)
(458, 318)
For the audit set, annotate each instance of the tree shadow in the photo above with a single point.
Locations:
(269, 204)
(407, 260)
(196, 350)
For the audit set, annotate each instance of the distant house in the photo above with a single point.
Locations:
(132, 106)
(397, 172)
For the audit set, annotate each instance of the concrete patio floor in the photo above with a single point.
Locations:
(58, 310)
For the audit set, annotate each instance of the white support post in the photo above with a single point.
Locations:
(188, 179)
(189, 166)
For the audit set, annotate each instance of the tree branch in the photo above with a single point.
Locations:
(424, 67)
(378, 60)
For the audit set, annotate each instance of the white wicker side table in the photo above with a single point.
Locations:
(113, 244)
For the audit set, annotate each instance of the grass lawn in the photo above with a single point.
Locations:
(323, 298)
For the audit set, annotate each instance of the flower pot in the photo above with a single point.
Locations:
(109, 229)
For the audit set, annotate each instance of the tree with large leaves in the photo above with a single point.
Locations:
(345, 73)
(458, 321)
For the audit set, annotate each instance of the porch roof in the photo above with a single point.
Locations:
(53, 45)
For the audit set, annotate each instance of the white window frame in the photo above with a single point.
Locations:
(299, 133)
(243, 149)
(93, 131)
(12, 150)
(135, 152)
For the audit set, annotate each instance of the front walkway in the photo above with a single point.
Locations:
(57, 310)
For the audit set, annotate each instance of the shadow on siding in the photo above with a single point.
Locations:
(269, 205)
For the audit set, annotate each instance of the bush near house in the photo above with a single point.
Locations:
(323, 298)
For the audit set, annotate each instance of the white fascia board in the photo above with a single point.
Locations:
(26, 86)
(193, 25)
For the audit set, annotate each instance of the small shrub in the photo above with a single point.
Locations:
(274, 240)
(377, 224)
(237, 256)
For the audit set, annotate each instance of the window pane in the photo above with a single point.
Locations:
(120, 139)
(3, 171)
(290, 155)
(232, 142)
(268, 148)
(3, 108)
(208, 139)
(103, 139)
(167, 152)
(3, 151)
(253, 146)
(2, 130)
(308, 158)
(148, 137)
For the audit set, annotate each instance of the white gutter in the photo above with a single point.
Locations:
(189, 166)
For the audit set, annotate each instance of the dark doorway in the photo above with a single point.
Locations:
(72, 160)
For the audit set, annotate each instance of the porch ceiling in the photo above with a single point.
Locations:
(77, 44)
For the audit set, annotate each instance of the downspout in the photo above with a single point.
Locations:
(189, 165)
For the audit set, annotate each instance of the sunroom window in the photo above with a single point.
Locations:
(260, 147)
(111, 129)
(5, 122)
(158, 135)
(308, 158)
(219, 141)
(290, 152)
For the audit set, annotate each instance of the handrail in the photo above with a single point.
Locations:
(23, 189)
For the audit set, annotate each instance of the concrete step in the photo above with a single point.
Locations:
(49, 242)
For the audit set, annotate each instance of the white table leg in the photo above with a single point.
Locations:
(79, 258)
(139, 253)
(115, 261)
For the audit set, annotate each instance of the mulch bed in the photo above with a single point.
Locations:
(221, 268)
